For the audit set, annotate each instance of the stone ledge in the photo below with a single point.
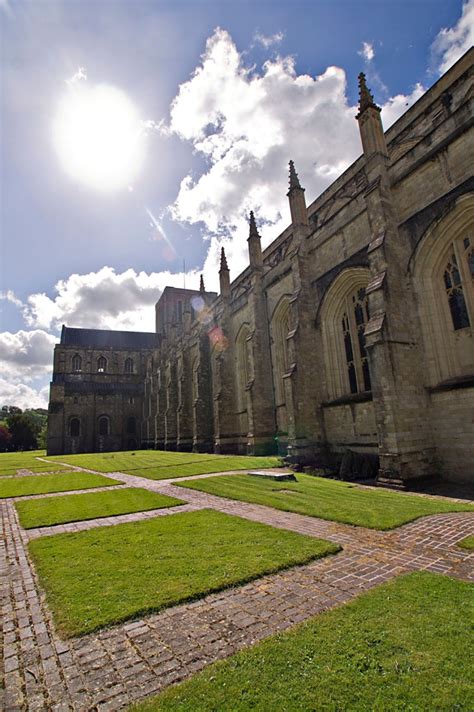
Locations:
(453, 384)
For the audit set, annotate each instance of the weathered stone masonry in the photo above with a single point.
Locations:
(352, 331)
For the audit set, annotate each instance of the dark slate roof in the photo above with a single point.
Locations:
(102, 338)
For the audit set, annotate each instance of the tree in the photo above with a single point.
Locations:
(24, 431)
(5, 438)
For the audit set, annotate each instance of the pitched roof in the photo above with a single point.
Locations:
(103, 338)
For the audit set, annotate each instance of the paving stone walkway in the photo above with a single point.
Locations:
(111, 669)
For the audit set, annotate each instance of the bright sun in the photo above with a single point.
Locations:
(98, 136)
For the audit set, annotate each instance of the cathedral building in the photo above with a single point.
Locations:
(353, 331)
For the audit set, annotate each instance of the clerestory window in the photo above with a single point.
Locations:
(101, 364)
(129, 365)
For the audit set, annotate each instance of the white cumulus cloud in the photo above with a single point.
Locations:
(26, 354)
(451, 43)
(103, 300)
(247, 124)
(397, 105)
(268, 40)
(23, 396)
(26, 363)
(367, 51)
(10, 296)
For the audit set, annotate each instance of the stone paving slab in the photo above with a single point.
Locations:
(111, 669)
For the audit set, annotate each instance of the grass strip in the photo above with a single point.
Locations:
(328, 499)
(92, 505)
(11, 462)
(404, 646)
(156, 464)
(45, 484)
(467, 543)
(107, 575)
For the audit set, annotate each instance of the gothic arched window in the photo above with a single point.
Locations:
(74, 427)
(101, 364)
(76, 363)
(242, 366)
(104, 425)
(344, 316)
(353, 321)
(195, 379)
(458, 272)
(280, 326)
(129, 365)
(442, 270)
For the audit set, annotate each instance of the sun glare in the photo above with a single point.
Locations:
(99, 136)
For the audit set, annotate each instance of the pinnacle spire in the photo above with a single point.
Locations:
(201, 285)
(253, 232)
(366, 98)
(294, 180)
(223, 261)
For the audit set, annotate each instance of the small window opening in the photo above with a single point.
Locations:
(74, 427)
(76, 363)
(104, 425)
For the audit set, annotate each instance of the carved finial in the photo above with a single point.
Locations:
(253, 232)
(223, 261)
(201, 285)
(294, 180)
(365, 96)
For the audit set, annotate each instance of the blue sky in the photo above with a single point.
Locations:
(225, 93)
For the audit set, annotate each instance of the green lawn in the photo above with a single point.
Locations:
(77, 507)
(405, 646)
(467, 543)
(158, 465)
(106, 575)
(44, 484)
(11, 462)
(328, 499)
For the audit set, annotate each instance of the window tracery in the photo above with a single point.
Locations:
(129, 365)
(354, 320)
(344, 315)
(442, 267)
(459, 269)
(101, 364)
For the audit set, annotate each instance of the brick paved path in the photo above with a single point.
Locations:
(109, 670)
